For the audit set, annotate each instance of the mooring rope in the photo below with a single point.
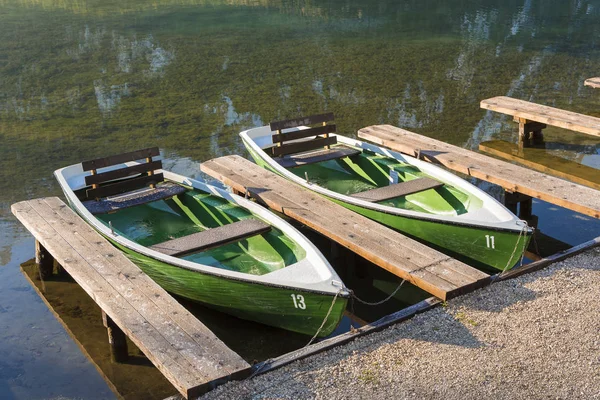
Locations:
(382, 301)
(326, 317)
(525, 226)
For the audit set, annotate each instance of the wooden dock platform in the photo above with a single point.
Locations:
(593, 82)
(534, 117)
(190, 356)
(432, 271)
(513, 178)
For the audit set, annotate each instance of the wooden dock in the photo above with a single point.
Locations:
(432, 271)
(188, 354)
(593, 82)
(534, 117)
(513, 178)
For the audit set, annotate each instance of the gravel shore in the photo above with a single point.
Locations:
(533, 337)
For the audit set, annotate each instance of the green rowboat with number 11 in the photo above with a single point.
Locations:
(412, 196)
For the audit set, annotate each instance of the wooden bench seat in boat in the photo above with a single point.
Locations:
(311, 151)
(398, 189)
(162, 191)
(212, 237)
(126, 180)
(532, 118)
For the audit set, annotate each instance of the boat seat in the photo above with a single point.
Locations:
(291, 152)
(296, 160)
(112, 204)
(212, 237)
(398, 189)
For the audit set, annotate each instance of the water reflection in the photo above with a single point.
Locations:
(81, 79)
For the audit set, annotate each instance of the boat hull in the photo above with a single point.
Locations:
(286, 308)
(485, 248)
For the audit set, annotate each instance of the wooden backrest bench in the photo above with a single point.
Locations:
(532, 118)
(286, 153)
(126, 179)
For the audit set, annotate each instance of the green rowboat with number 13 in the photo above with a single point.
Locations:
(211, 246)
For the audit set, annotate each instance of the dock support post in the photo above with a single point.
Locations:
(44, 261)
(116, 340)
(524, 203)
(530, 133)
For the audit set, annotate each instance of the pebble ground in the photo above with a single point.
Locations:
(533, 337)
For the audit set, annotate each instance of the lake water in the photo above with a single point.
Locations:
(86, 78)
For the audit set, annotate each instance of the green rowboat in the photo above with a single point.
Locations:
(412, 196)
(211, 246)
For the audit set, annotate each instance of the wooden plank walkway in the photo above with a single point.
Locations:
(528, 111)
(512, 178)
(432, 271)
(190, 356)
(593, 82)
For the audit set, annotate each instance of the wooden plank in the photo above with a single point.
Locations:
(161, 192)
(304, 133)
(120, 158)
(383, 246)
(122, 172)
(185, 351)
(292, 123)
(540, 160)
(124, 186)
(593, 82)
(512, 178)
(296, 160)
(302, 146)
(398, 189)
(544, 114)
(213, 237)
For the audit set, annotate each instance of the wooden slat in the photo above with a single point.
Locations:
(292, 123)
(540, 160)
(593, 82)
(296, 160)
(383, 246)
(303, 146)
(122, 172)
(398, 189)
(213, 237)
(304, 133)
(544, 114)
(124, 186)
(183, 349)
(511, 177)
(120, 158)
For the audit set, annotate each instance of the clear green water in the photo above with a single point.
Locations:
(82, 79)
